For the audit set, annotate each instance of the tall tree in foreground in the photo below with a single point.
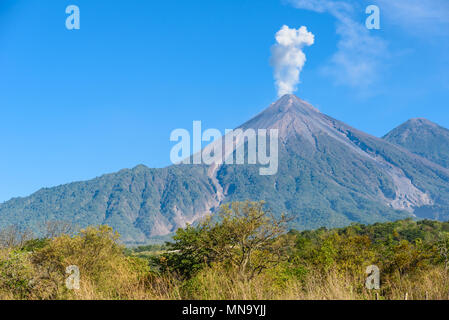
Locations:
(243, 236)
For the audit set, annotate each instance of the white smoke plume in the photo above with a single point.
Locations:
(288, 58)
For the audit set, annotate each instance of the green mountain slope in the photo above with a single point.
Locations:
(139, 203)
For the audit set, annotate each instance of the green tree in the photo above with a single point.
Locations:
(244, 236)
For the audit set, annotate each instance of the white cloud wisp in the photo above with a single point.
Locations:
(360, 54)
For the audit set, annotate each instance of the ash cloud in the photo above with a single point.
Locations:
(288, 57)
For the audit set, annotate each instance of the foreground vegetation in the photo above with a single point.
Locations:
(245, 253)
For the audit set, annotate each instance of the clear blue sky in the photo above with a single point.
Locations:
(78, 104)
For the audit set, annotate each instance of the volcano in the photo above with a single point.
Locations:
(329, 175)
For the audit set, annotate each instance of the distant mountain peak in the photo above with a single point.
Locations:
(424, 138)
(413, 125)
(420, 121)
(140, 167)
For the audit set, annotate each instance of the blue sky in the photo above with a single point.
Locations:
(81, 103)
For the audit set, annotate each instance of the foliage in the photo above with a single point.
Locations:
(245, 254)
(246, 237)
(37, 270)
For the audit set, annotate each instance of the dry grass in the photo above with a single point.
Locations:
(214, 284)
(217, 284)
(108, 274)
